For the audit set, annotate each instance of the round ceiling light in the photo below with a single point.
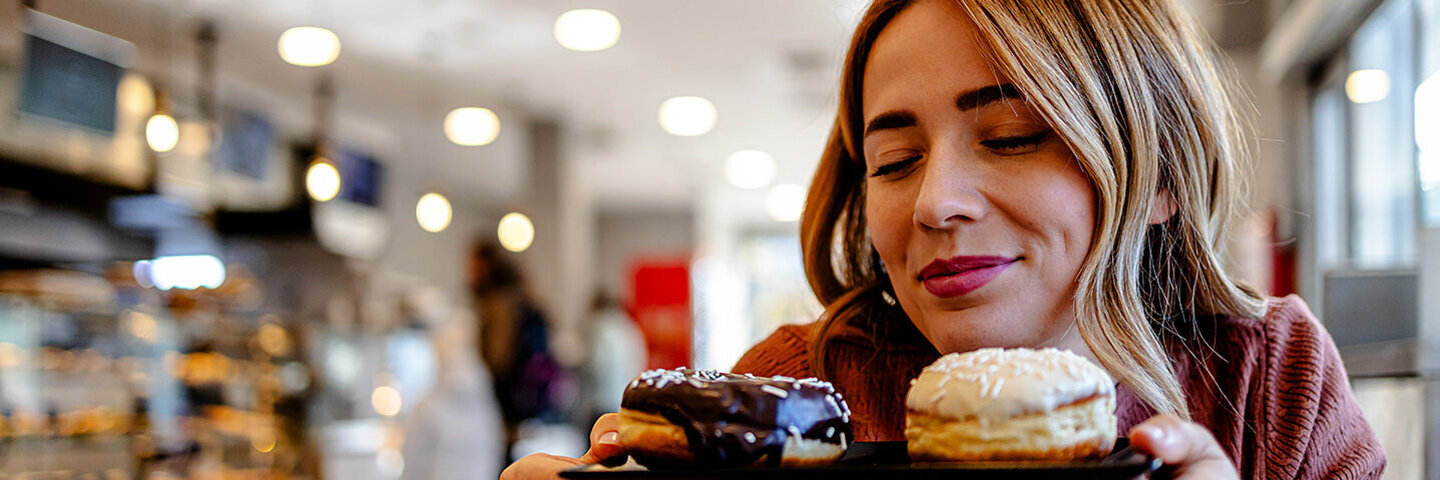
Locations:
(687, 116)
(162, 133)
(516, 232)
(750, 169)
(309, 46)
(433, 212)
(322, 181)
(472, 126)
(587, 30)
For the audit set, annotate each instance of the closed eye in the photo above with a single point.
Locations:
(895, 167)
(1016, 145)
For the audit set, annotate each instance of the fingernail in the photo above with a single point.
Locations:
(610, 437)
(1156, 434)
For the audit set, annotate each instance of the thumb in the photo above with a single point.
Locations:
(604, 448)
(1188, 447)
(604, 440)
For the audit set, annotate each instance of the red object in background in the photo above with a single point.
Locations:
(1282, 261)
(660, 305)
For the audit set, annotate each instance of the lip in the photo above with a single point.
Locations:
(960, 275)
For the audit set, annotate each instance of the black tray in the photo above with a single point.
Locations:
(889, 460)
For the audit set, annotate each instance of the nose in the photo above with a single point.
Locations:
(950, 194)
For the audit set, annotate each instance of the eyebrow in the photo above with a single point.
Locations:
(966, 101)
(890, 120)
(987, 95)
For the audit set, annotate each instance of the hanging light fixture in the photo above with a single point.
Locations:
(309, 46)
(322, 180)
(162, 132)
(433, 212)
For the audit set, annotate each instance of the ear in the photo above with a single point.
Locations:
(1162, 207)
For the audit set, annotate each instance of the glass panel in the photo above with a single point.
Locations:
(1427, 109)
(1383, 177)
(1328, 120)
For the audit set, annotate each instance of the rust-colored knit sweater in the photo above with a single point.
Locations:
(1279, 403)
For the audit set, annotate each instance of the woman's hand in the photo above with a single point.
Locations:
(604, 445)
(1188, 449)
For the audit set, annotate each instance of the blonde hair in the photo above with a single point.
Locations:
(1140, 95)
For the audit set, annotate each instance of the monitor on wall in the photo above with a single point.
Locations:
(70, 74)
(361, 177)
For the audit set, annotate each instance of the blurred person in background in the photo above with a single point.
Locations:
(1053, 174)
(617, 354)
(455, 431)
(514, 342)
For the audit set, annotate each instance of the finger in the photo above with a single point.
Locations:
(607, 423)
(1173, 440)
(604, 440)
(539, 466)
(1186, 445)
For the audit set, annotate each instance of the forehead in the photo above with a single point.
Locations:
(929, 49)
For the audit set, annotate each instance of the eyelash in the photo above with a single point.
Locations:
(896, 166)
(1003, 145)
(1010, 144)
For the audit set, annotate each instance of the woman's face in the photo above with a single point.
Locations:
(978, 208)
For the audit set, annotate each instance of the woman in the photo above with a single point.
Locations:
(1054, 173)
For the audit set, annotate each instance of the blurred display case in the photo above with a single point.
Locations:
(103, 378)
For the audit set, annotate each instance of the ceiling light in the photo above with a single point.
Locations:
(687, 116)
(750, 169)
(309, 46)
(587, 30)
(162, 133)
(1367, 86)
(187, 272)
(433, 212)
(785, 202)
(516, 232)
(471, 126)
(322, 180)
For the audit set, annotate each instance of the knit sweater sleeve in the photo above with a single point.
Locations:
(785, 352)
(1315, 428)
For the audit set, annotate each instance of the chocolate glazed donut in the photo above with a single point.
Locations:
(733, 420)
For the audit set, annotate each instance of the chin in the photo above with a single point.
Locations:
(954, 332)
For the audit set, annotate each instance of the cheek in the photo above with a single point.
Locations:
(1065, 207)
(888, 222)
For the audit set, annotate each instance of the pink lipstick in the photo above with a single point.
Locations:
(961, 275)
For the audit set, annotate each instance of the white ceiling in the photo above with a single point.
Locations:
(770, 66)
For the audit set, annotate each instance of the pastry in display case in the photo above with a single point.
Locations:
(101, 376)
